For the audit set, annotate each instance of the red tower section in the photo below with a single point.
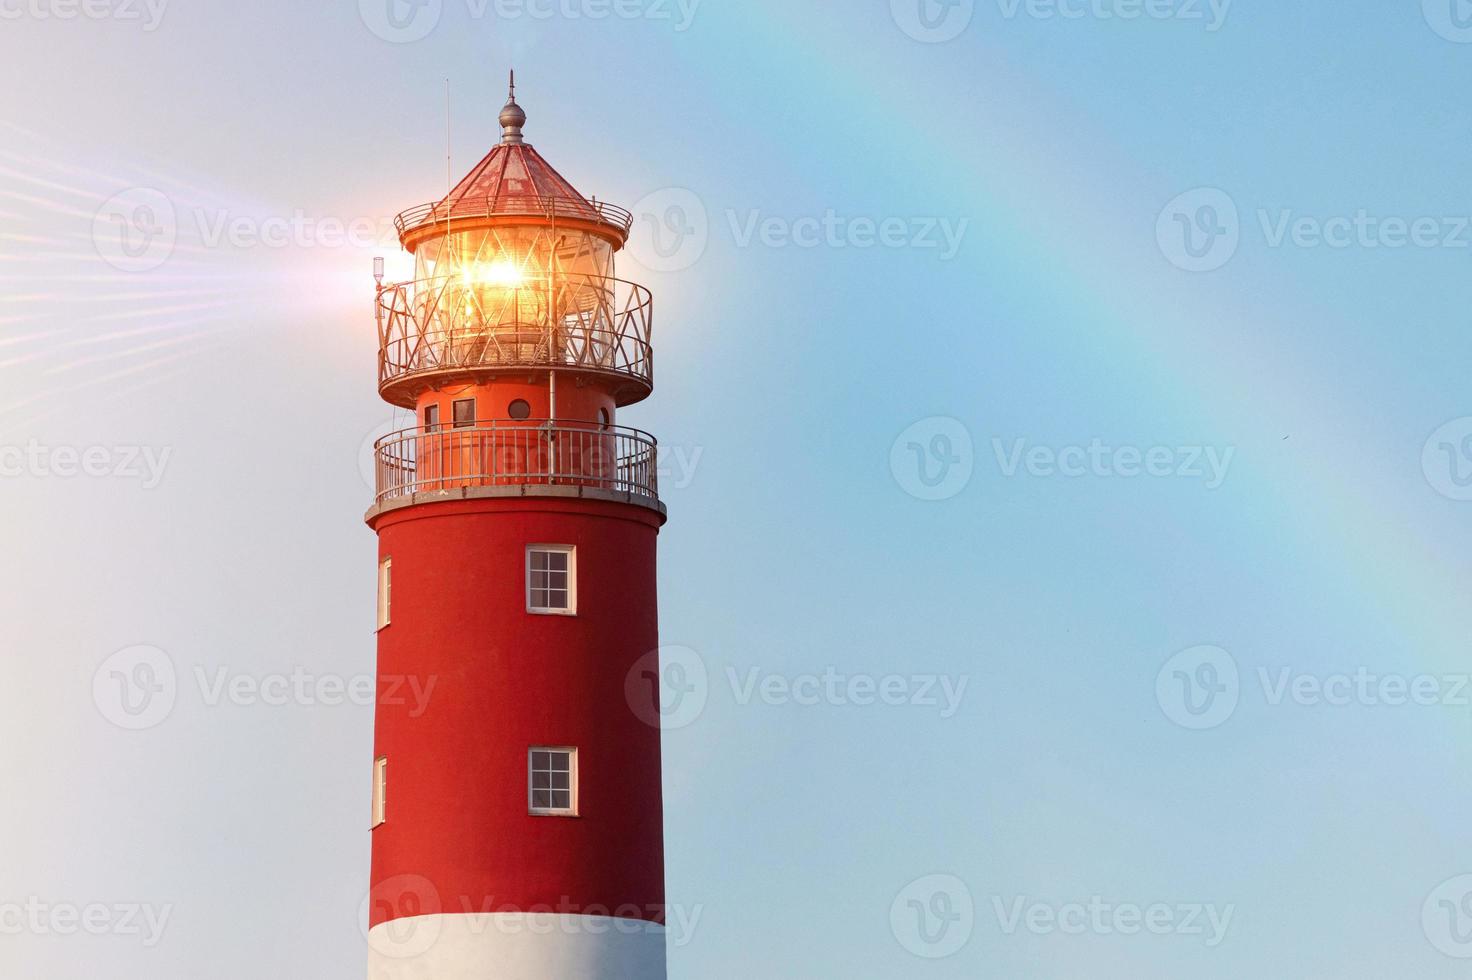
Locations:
(517, 807)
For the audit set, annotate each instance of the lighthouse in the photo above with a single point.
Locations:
(517, 812)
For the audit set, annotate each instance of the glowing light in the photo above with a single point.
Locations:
(502, 273)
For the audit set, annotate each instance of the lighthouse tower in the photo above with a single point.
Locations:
(517, 810)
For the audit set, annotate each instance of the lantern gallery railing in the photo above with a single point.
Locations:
(528, 206)
(511, 454)
(463, 325)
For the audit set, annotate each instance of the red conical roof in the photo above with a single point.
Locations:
(514, 179)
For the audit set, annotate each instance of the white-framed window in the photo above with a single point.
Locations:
(380, 792)
(552, 579)
(552, 782)
(385, 591)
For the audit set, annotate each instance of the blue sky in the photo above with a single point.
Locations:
(1184, 691)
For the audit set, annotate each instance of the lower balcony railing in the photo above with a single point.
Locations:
(510, 454)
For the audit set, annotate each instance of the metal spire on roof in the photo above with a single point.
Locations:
(512, 117)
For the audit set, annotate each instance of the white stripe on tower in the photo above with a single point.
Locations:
(517, 946)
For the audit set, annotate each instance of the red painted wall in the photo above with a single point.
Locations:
(574, 403)
(506, 680)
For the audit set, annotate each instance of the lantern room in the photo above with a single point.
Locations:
(514, 269)
(515, 344)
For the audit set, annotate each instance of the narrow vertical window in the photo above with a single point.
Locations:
(552, 782)
(431, 418)
(380, 793)
(551, 579)
(385, 591)
(464, 413)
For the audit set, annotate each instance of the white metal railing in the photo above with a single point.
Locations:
(442, 324)
(491, 454)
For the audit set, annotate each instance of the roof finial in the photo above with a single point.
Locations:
(512, 117)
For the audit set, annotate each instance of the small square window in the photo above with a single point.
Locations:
(385, 591)
(551, 579)
(465, 413)
(552, 782)
(380, 793)
(431, 418)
